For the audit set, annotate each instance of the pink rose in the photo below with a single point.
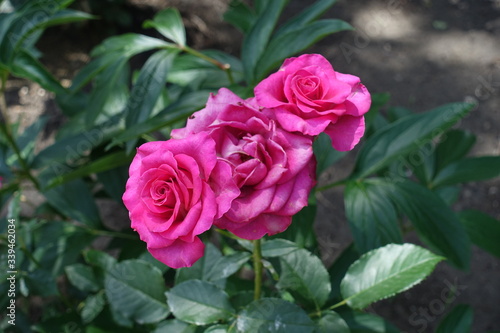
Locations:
(175, 191)
(274, 169)
(310, 97)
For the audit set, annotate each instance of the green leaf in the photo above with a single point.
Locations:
(41, 282)
(226, 266)
(199, 302)
(483, 230)
(135, 289)
(338, 270)
(127, 45)
(240, 15)
(82, 277)
(148, 87)
(57, 244)
(75, 200)
(378, 102)
(294, 42)
(268, 315)
(468, 170)
(361, 322)
(384, 272)
(325, 154)
(114, 181)
(197, 73)
(203, 268)
(26, 66)
(255, 42)
(304, 17)
(173, 113)
(304, 275)
(459, 320)
(217, 329)
(277, 248)
(301, 231)
(106, 86)
(67, 16)
(102, 164)
(93, 306)
(371, 215)
(174, 326)
(406, 135)
(331, 322)
(437, 225)
(169, 23)
(99, 259)
(453, 146)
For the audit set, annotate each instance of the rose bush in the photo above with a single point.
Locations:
(274, 169)
(171, 197)
(308, 96)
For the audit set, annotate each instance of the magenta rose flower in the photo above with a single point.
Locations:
(274, 169)
(175, 191)
(310, 97)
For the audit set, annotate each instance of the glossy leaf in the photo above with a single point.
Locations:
(26, 66)
(255, 42)
(437, 225)
(406, 135)
(338, 270)
(82, 277)
(148, 87)
(277, 248)
(75, 200)
(483, 230)
(304, 275)
(99, 259)
(105, 87)
(459, 320)
(301, 231)
(57, 244)
(199, 302)
(136, 290)
(294, 42)
(102, 164)
(468, 170)
(240, 15)
(362, 322)
(173, 113)
(304, 17)
(453, 145)
(384, 272)
(169, 23)
(174, 325)
(93, 306)
(325, 155)
(331, 322)
(114, 181)
(203, 268)
(372, 218)
(127, 45)
(274, 315)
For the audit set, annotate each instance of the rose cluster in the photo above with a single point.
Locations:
(244, 165)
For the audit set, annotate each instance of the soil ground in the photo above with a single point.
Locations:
(424, 53)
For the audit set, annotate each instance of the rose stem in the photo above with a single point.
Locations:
(257, 263)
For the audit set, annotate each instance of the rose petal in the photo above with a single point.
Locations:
(346, 132)
(179, 253)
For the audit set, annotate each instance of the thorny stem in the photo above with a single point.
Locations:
(257, 262)
(225, 67)
(5, 128)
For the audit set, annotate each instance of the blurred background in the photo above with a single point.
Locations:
(424, 53)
